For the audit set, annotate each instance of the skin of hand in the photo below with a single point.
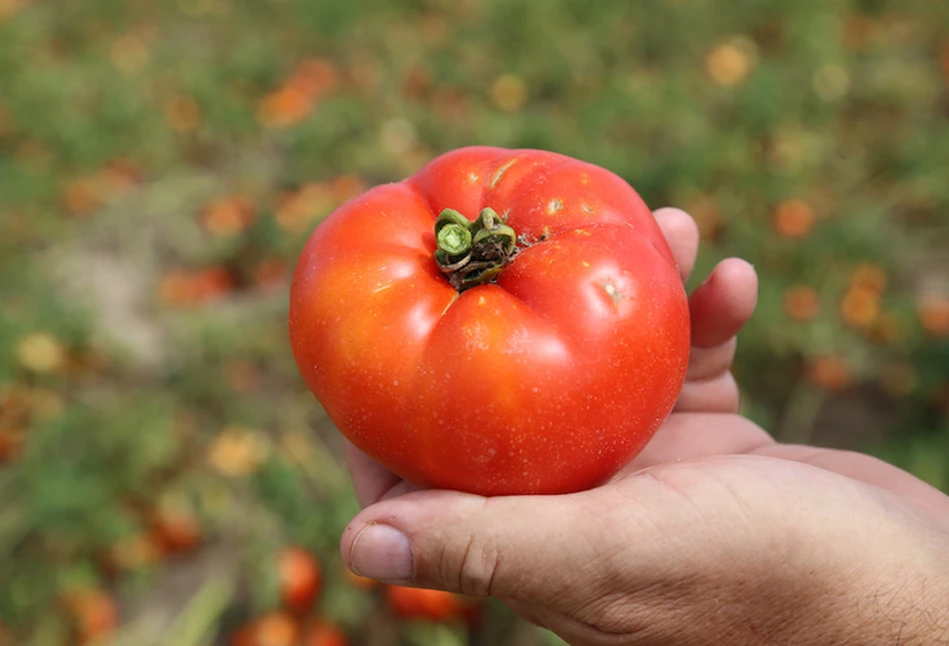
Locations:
(715, 533)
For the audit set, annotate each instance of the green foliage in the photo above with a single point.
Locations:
(162, 163)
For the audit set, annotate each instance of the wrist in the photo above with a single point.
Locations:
(893, 588)
(907, 601)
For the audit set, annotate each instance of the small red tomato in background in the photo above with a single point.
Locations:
(359, 582)
(532, 344)
(429, 605)
(94, 614)
(272, 629)
(176, 530)
(322, 633)
(300, 578)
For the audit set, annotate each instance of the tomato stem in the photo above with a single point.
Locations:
(473, 253)
(454, 240)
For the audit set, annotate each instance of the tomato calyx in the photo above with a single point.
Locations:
(473, 253)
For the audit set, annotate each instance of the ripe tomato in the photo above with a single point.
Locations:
(300, 578)
(94, 614)
(357, 581)
(321, 633)
(534, 352)
(272, 629)
(175, 530)
(428, 605)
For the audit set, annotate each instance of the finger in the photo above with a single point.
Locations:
(473, 545)
(706, 363)
(685, 436)
(718, 394)
(723, 303)
(400, 488)
(682, 235)
(371, 480)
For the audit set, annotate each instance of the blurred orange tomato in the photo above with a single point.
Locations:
(793, 219)
(188, 288)
(93, 612)
(272, 629)
(429, 605)
(301, 579)
(830, 372)
(174, 530)
(322, 633)
(359, 582)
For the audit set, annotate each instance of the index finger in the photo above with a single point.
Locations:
(682, 236)
(371, 480)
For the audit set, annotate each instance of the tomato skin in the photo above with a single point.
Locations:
(546, 382)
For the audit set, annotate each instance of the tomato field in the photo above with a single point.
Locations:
(166, 476)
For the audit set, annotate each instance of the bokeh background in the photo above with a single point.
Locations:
(165, 478)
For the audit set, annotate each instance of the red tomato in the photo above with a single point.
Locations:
(321, 633)
(428, 605)
(94, 613)
(300, 578)
(272, 629)
(359, 582)
(547, 377)
(175, 530)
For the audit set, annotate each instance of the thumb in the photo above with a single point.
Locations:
(516, 547)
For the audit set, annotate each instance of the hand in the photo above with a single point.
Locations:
(714, 534)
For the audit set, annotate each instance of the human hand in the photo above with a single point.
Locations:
(714, 534)
(745, 548)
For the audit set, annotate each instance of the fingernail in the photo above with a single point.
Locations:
(382, 552)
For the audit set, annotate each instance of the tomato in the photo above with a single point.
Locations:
(357, 581)
(428, 605)
(533, 347)
(300, 578)
(272, 629)
(175, 530)
(94, 614)
(321, 633)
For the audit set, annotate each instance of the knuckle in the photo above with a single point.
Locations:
(474, 565)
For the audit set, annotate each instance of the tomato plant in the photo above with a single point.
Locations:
(501, 322)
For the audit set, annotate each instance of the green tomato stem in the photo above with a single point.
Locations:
(473, 253)
(454, 239)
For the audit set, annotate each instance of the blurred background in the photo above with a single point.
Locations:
(161, 164)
